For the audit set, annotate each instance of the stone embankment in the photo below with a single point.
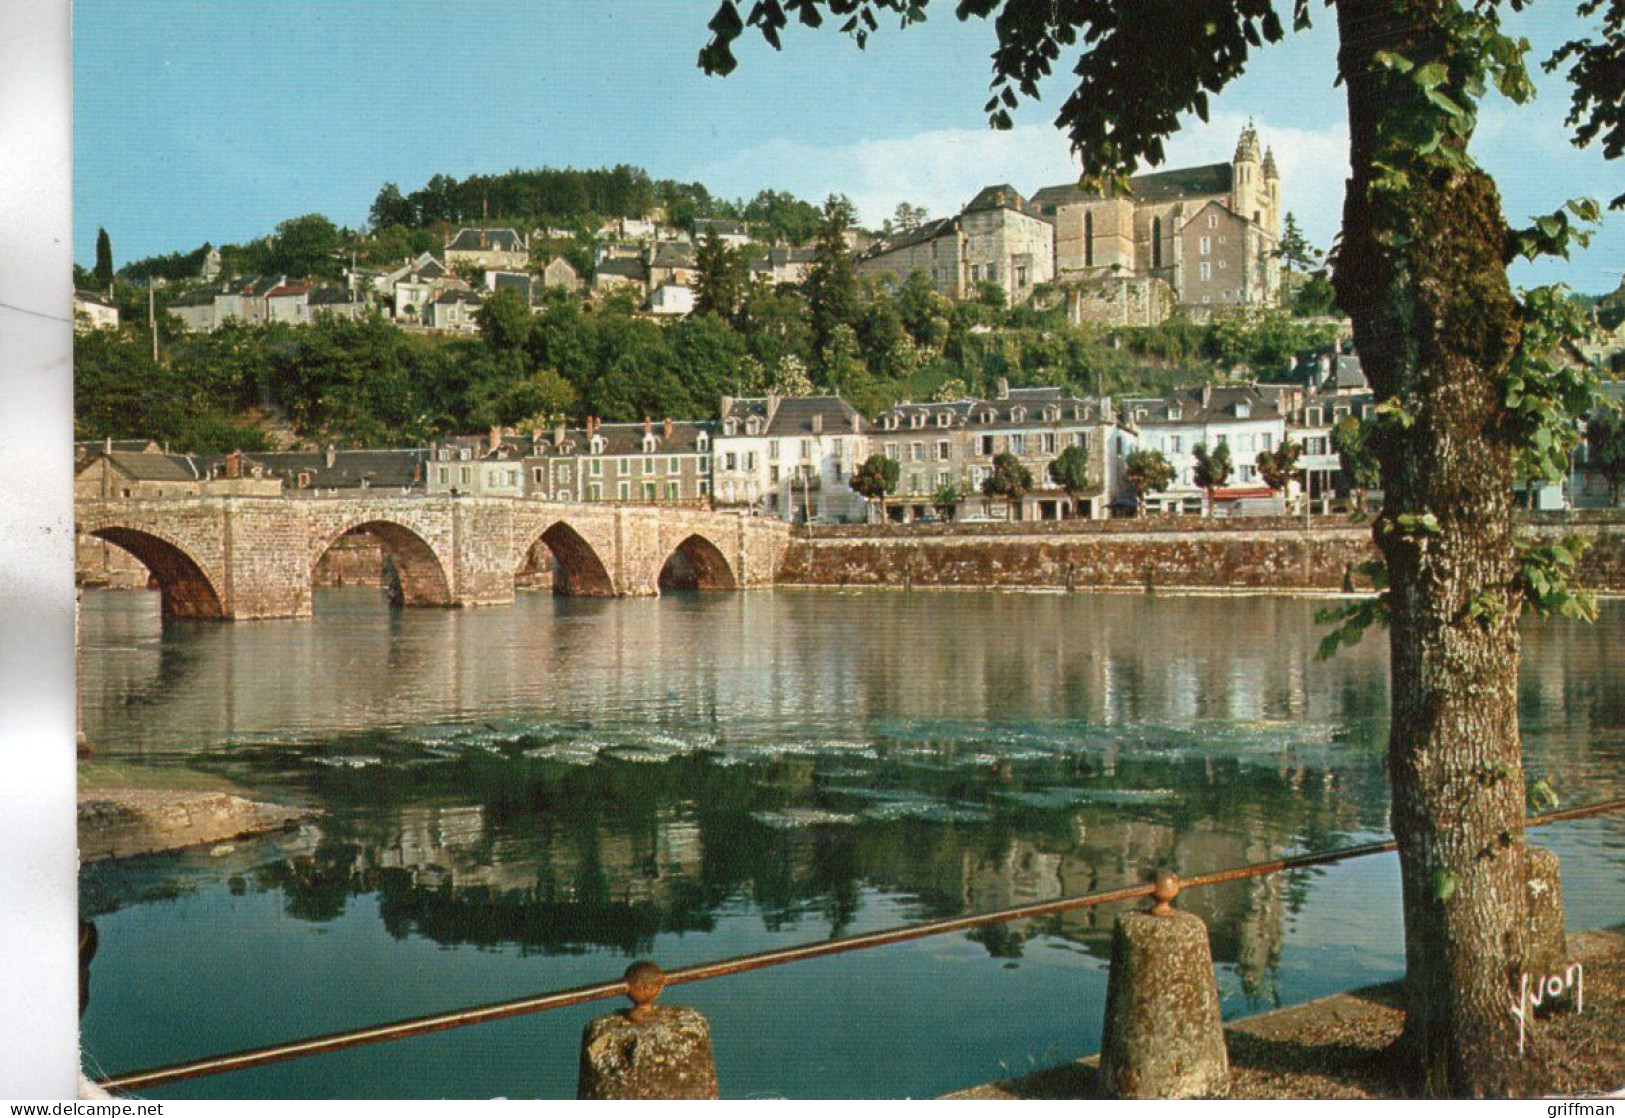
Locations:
(1152, 553)
(123, 822)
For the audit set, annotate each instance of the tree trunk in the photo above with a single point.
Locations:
(1423, 276)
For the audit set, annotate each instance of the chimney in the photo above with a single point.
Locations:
(818, 424)
(727, 406)
(493, 439)
(107, 445)
(234, 464)
(648, 425)
(331, 456)
(558, 434)
(772, 405)
(857, 423)
(1004, 388)
(1207, 395)
(668, 428)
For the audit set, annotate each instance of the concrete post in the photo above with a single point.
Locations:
(1163, 1037)
(648, 1051)
(1548, 947)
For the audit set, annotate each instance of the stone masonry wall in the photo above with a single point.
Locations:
(1156, 553)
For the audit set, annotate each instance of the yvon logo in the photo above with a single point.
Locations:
(1536, 990)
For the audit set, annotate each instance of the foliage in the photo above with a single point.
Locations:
(720, 278)
(1605, 448)
(103, 272)
(1147, 472)
(875, 477)
(1008, 479)
(1266, 340)
(832, 286)
(1070, 470)
(1213, 467)
(305, 246)
(1351, 438)
(1544, 392)
(946, 499)
(1276, 467)
(504, 320)
(1545, 580)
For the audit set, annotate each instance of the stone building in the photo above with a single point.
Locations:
(561, 273)
(648, 463)
(1247, 418)
(997, 238)
(1207, 233)
(952, 445)
(790, 457)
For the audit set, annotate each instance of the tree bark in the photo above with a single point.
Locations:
(1424, 280)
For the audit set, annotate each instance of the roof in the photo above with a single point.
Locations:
(202, 297)
(1207, 404)
(147, 466)
(793, 416)
(672, 254)
(328, 295)
(1002, 196)
(450, 298)
(930, 231)
(1157, 186)
(721, 225)
(383, 469)
(628, 266)
(486, 240)
(513, 281)
(627, 438)
(92, 297)
(1002, 411)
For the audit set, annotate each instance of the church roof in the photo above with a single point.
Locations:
(1158, 186)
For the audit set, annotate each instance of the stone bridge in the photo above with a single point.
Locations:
(240, 557)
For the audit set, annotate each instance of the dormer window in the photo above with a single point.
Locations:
(889, 422)
(1312, 416)
(988, 417)
(753, 425)
(464, 454)
(597, 445)
(445, 454)
(1243, 409)
(1174, 413)
(703, 444)
(1018, 414)
(917, 419)
(730, 427)
(649, 444)
(944, 419)
(1052, 414)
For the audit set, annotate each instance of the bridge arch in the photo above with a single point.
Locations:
(187, 590)
(697, 564)
(420, 577)
(577, 568)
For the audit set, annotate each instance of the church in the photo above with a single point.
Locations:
(1201, 239)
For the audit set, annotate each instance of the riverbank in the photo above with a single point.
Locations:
(166, 812)
(1333, 1048)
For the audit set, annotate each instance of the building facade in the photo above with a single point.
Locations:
(790, 457)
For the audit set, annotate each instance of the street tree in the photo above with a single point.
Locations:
(1213, 469)
(875, 477)
(946, 500)
(1009, 479)
(1351, 438)
(103, 272)
(1605, 449)
(1070, 470)
(1148, 473)
(1277, 467)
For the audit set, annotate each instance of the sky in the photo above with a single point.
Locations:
(212, 120)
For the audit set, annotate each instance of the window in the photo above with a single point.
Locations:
(536, 475)
(674, 465)
(648, 466)
(1243, 409)
(773, 474)
(1206, 273)
(443, 478)
(807, 450)
(564, 472)
(674, 491)
(891, 452)
(1212, 221)
(1207, 246)
(1222, 265)
(703, 445)
(944, 479)
(1156, 242)
(943, 419)
(595, 492)
(705, 487)
(837, 447)
(1311, 417)
(987, 445)
(1049, 442)
(840, 474)
(944, 451)
(1017, 443)
(465, 475)
(649, 491)
(513, 479)
(750, 460)
(1088, 240)
(1248, 473)
(1177, 443)
(772, 450)
(623, 466)
(623, 490)
(705, 463)
(1266, 441)
(916, 452)
(730, 462)
(916, 483)
(1021, 275)
(917, 419)
(595, 468)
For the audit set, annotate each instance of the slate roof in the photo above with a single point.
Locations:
(379, 469)
(1001, 196)
(92, 297)
(1209, 404)
(495, 240)
(723, 227)
(202, 297)
(1156, 186)
(330, 296)
(629, 266)
(627, 439)
(930, 231)
(514, 281)
(147, 466)
(450, 298)
(1021, 407)
(672, 254)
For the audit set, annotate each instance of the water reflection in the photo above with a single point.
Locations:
(571, 776)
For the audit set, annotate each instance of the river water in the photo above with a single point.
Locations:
(523, 799)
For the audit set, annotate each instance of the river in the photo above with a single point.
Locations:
(527, 798)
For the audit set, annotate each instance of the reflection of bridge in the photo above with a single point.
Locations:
(252, 557)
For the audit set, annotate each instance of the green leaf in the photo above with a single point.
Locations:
(1445, 884)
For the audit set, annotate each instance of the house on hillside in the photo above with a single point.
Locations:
(731, 233)
(452, 312)
(995, 239)
(501, 248)
(93, 312)
(620, 271)
(561, 274)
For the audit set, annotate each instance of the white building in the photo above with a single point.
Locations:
(93, 312)
(781, 456)
(1246, 418)
(671, 300)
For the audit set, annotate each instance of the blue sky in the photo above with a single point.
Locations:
(215, 120)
